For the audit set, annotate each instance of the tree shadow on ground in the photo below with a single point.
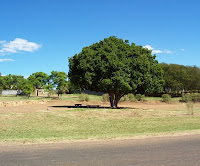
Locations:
(90, 106)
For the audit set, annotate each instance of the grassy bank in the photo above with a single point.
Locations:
(74, 124)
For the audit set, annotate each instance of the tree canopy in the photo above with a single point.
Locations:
(38, 80)
(10, 81)
(116, 67)
(59, 81)
(180, 78)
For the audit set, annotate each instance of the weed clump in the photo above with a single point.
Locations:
(166, 98)
(140, 97)
(84, 97)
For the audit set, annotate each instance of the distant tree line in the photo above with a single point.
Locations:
(181, 79)
(178, 79)
(39, 80)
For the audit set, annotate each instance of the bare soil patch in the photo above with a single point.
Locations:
(50, 105)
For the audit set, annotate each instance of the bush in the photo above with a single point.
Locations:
(187, 97)
(105, 98)
(140, 97)
(131, 97)
(48, 89)
(166, 98)
(191, 97)
(84, 97)
(125, 98)
(196, 97)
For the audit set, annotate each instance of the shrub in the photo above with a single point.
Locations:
(131, 97)
(105, 98)
(140, 97)
(191, 97)
(187, 97)
(166, 98)
(196, 97)
(125, 98)
(84, 97)
(49, 89)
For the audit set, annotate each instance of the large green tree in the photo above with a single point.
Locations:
(116, 67)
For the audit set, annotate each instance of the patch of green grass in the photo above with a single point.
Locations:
(74, 124)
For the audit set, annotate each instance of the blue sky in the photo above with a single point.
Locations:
(40, 35)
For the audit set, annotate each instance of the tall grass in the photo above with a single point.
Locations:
(84, 97)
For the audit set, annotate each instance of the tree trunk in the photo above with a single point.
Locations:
(117, 98)
(111, 98)
(37, 92)
(114, 99)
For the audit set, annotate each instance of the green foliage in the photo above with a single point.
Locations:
(166, 98)
(116, 67)
(38, 79)
(59, 81)
(10, 81)
(84, 97)
(178, 77)
(196, 97)
(131, 97)
(1, 88)
(140, 97)
(49, 89)
(187, 97)
(28, 89)
(191, 97)
(125, 98)
(105, 98)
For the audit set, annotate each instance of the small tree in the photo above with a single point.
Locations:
(28, 89)
(59, 80)
(38, 80)
(49, 89)
(116, 67)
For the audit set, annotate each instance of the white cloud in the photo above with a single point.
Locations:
(148, 47)
(6, 60)
(18, 45)
(168, 51)
(182, 49)
(2, 41)
(157, 51)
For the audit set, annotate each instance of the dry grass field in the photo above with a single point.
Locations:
(55, 121)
